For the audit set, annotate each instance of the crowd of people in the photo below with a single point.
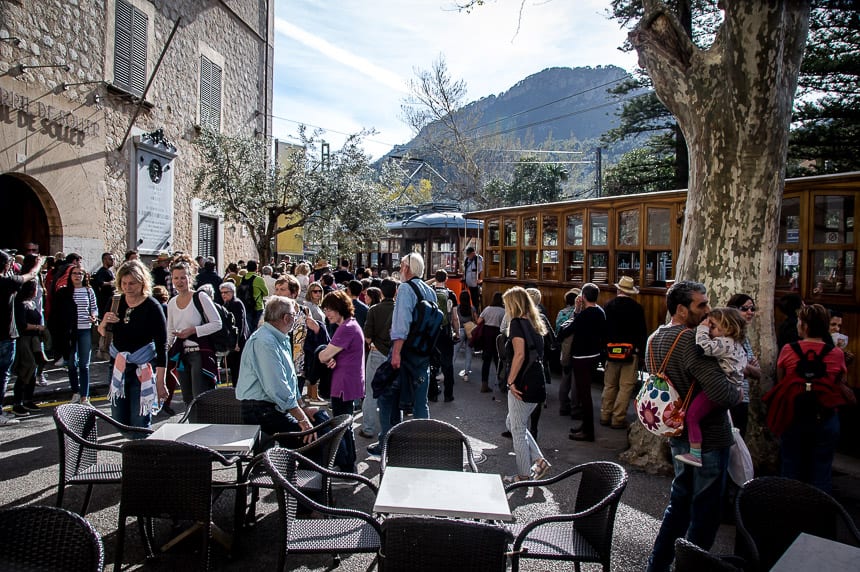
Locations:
(304, 336)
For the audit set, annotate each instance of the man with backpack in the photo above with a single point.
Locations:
(444, 354)
(411, 345)
(250, 291)
(696, 495)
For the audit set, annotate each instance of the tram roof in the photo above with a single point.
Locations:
(436, 220)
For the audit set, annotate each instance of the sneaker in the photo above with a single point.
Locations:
(689, 459)
(76, 398)
(30, 406)
(464, 373)
(20, 411)
(374, 449)
(7, 419)
(60, 363)
(42, 381)
(86, 401)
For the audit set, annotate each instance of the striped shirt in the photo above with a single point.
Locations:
(85, 300)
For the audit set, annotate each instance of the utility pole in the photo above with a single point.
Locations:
(598, 171)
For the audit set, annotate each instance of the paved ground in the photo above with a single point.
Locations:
(28, 475)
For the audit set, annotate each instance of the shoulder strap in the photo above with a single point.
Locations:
(531, 342)
(419, 295)
(795, 346)
(668, 354)
(199, 305)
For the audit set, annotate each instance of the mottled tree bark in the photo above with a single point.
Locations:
(733, 102)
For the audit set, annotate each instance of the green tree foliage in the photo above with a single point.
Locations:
(639, 171)
(826, 133)
(339, 199)
(533, 182)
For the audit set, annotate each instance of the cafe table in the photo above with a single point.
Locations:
(809, 552)
(406, 490)
(238, 440)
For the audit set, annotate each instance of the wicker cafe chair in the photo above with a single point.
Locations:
(427, 444)
(796, 507)
(48, 539)
(217, 405)
(310, 482)
(78, 431)
(585, 535)
(691, 558)
(428, 544)
(166, 479)
(342, 531)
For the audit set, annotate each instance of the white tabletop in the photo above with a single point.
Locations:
(220, 437)
(442, 493)
(810, 552)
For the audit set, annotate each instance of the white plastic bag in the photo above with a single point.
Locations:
(740, 461)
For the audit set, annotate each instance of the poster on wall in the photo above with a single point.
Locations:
(153, 193)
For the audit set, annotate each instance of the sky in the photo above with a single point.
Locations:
(344, 65)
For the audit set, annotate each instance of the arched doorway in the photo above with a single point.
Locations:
(31, 215)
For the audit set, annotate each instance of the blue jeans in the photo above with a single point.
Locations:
(126, 409)
(7, 357)
(694, 504)
(79, 362)
(807, 450)
(415, 379)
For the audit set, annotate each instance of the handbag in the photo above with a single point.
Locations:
(658, 405)
(468, 327)
(619, 352)
(740, 461)
(475, 337)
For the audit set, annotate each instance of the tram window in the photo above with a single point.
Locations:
(658, 268)
(530, 266)
(598, 270)
(834, 220)
(575, 263)
(628, 228)
(599, 228)
(834, 271)
(789, 221)
(658, 227)
(788, 269)
(493, 232)
(550, 230)
(511, 264)
(530, 231)
(510, 232)
(549, 265)
(573, 236)
(627, 264)
(493, 263)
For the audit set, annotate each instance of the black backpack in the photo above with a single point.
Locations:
(426, 324)
(245, 293)
(225, 339)
(810, 368)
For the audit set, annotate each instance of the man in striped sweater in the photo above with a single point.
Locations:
(696, 494)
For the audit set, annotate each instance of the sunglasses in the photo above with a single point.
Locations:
(316, 291)
(747, 308)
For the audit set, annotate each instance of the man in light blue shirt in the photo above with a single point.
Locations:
(410, 388)
(267, 384)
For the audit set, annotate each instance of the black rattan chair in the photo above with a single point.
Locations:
(342, 530)
(78, 431)
(692, 558)
(48, 539)
(771, 512)
(428, 544)
(166, 479)
(310, 482)
(217, 405)
(427, 444)
(586, 534)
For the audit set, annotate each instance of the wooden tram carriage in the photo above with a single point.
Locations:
(559, 245)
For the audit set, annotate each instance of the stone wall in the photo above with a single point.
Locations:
(90, 182)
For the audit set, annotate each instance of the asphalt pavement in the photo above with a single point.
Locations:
(29, 470)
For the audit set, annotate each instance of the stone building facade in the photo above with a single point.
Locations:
(100, 101)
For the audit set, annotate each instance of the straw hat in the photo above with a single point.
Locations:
(627, 285)
(320, 264)
(163, 255)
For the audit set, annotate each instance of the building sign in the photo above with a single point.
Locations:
(46, 119)
(153, 193)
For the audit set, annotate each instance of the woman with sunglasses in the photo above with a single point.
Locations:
(139, 347)
(740, 412)
(313, 300)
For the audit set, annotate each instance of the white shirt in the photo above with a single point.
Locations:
(188, 317)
